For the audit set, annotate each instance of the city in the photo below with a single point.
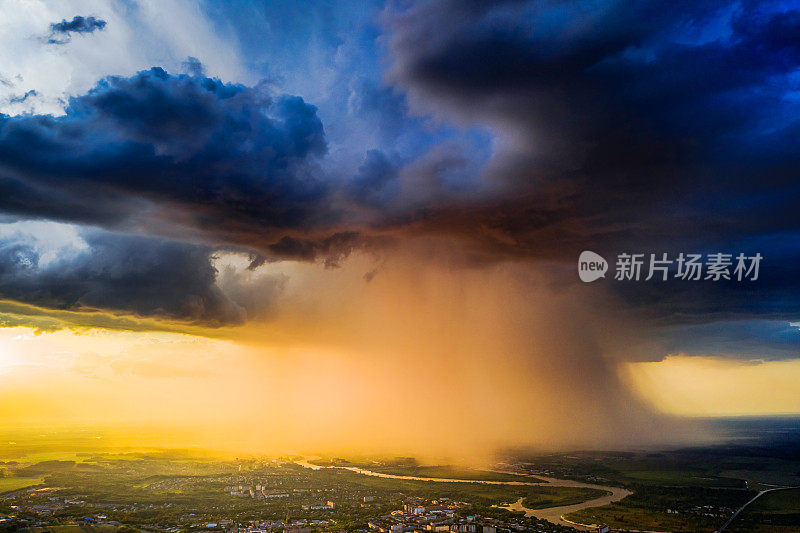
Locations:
(106, 488)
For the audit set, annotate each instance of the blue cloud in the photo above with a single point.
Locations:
(375, 178)
(135, 274)
(78, 24)
(224, 153)
(624, 126)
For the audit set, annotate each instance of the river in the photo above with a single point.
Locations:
(551, 514)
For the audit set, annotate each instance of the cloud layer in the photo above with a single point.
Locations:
(220, 152)
(515, 131)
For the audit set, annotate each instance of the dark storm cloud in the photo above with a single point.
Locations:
(60, 32)
(27, 200)
(637, 126)
(333, 248)
(624, 126)
(226, 164)
(139, 275)
(775, 294)
(229, 158)
(620, 109)
(746, 339)
(78, 24)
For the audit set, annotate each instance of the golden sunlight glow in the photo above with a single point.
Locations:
(704, 386)
(464, 356)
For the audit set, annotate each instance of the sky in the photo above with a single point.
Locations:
(356, 225)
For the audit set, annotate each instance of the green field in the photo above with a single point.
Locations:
(77, 475)
(8, 484)
(777, 511)
(784, 501)
(677, 509)
(168, 488)
(558, 496)
(449, 472)
(681, 477)
(478, 493)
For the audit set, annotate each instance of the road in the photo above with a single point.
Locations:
(742, 508)
(551, 514)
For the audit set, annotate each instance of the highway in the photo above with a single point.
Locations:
(743, 507)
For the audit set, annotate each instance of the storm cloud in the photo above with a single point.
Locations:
(350, 195)
(628, 127)
(221, 166)
(614, 127)
(631, 120)
(225, 156)
(131, 274)
(61, 32)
